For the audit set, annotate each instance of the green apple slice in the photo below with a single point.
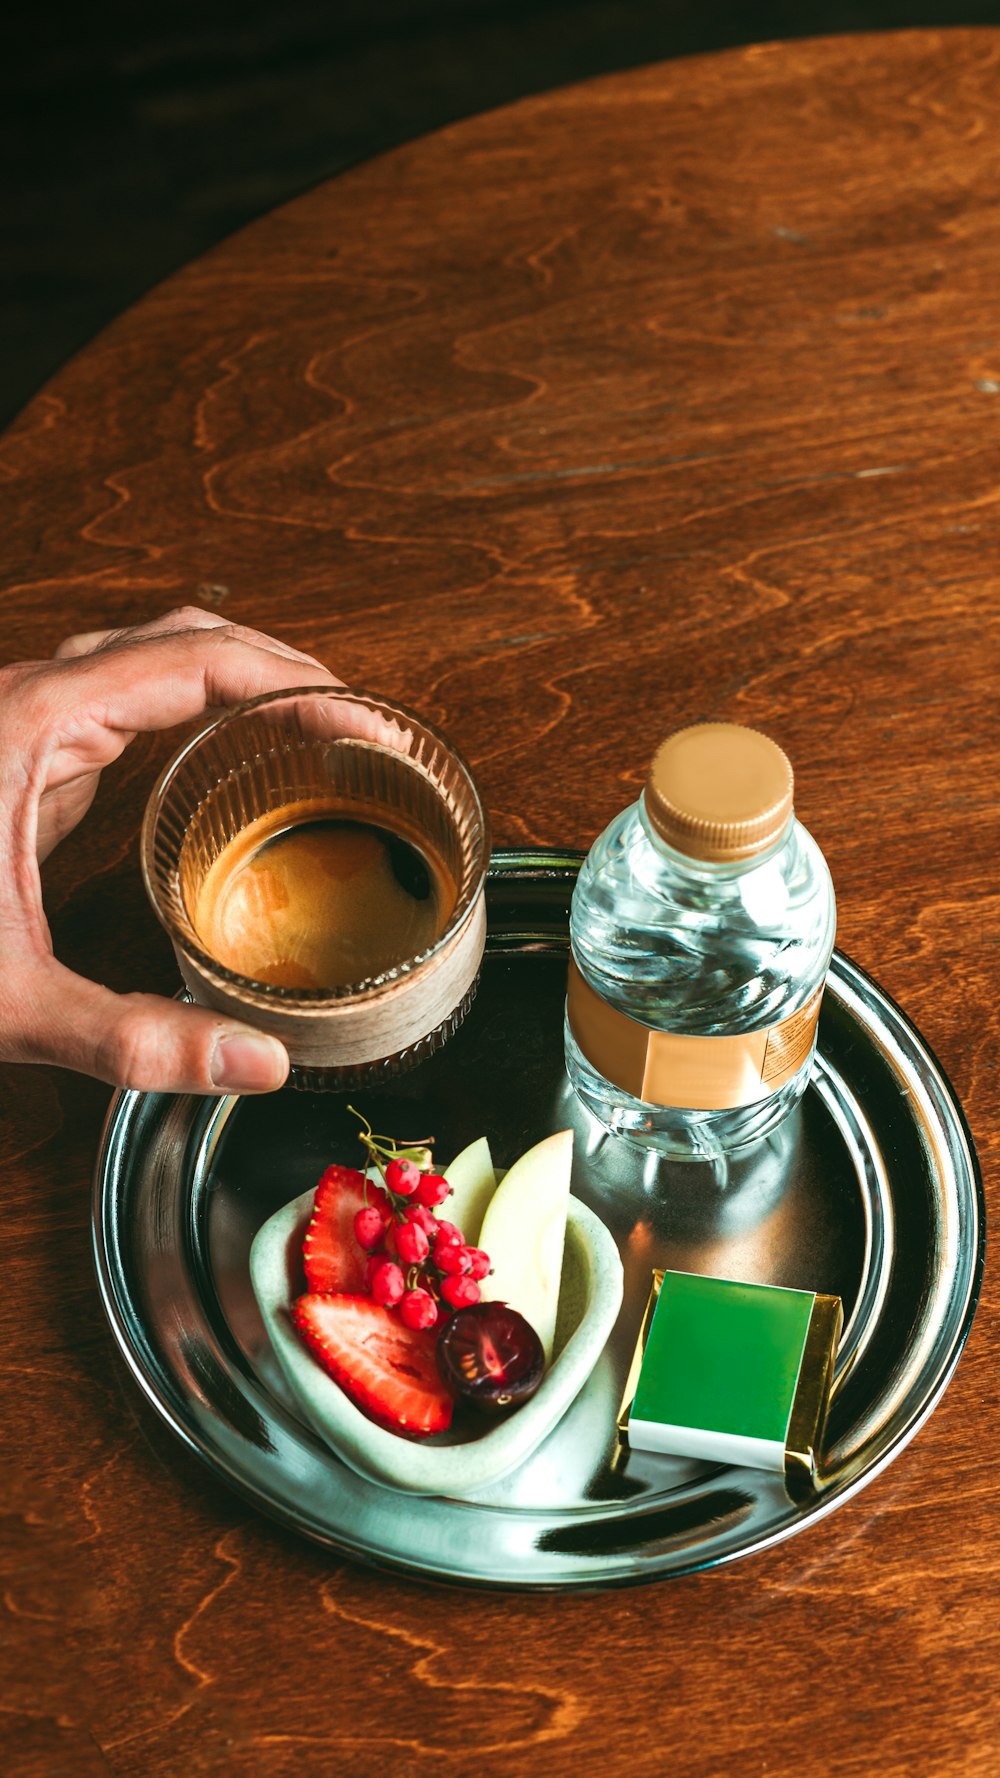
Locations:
(524, 1230)
(473, 1183)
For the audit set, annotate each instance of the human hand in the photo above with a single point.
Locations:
(61, 722)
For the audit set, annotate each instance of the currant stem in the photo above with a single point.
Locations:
(388, 1145)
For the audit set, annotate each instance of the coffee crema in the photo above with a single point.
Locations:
(317, 897)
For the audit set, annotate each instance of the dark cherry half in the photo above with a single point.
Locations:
(490, 1356)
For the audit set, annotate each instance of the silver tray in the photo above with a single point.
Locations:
(870, 1190)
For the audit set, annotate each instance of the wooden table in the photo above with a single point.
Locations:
(667, 397)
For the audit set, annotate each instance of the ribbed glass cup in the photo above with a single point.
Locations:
(319, 751)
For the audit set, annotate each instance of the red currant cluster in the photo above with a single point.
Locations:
(417, 1262)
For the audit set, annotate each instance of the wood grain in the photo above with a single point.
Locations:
(671, 396)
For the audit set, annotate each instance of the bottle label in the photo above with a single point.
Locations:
(687, 1073)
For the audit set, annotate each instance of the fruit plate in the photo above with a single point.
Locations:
(870, 1190)
(590, 1298)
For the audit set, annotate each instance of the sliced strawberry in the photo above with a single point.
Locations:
(388, 1369)
(333, 1257)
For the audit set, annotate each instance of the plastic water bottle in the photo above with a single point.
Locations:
(702, 926)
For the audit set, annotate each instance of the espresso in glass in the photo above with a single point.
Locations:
(323, 896)
(318, 858)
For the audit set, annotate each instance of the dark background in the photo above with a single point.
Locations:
(136, 133)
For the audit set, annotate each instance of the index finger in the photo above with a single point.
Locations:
(156, 682)
(182, 618)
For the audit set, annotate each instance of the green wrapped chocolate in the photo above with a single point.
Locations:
(733, 1373)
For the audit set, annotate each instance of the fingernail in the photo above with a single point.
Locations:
(248, 1062)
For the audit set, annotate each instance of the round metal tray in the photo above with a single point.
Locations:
(869, 1190)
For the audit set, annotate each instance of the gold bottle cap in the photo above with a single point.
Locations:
(719, 792)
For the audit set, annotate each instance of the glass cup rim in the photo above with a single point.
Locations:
(268, 993)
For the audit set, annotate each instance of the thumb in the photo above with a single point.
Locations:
(142, 1041)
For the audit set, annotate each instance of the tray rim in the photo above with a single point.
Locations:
(557, 863)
